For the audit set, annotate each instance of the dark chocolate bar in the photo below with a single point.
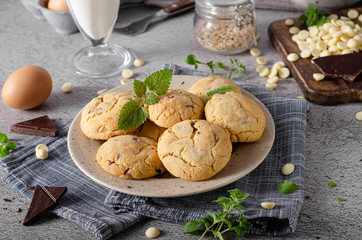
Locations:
(41, 126)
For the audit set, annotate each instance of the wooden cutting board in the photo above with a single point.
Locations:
(328, 91)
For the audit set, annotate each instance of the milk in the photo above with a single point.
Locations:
(95, 17)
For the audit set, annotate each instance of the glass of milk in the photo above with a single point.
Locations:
(95, 20)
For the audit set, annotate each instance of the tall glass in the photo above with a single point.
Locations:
(95, 20)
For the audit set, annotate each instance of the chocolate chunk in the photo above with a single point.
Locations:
(347, 66)
(7, 200)
(41, 126)
(44, 198)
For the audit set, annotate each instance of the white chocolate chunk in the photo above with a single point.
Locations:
(292, 57)
(67, 87)
(341, 45)
(315, 52)
(303, 34)
(359, 116)
(305, 53)
(313, 31)
(278, 65)
(347, 51)
(127, 73)
(333, 16)
(293, 30)
(100, 92)
(352, 13)
(288, 169)
(138, 62)
(295, 38)
(321, 45)
(325, 53)
(261, 61)
(360, 18)
(41, 146)
(273, 79)
(289, 22)
(152, 232)
(125, 81)
(259, 68)
(303, 45)
(254, 52)
(41, 154)
(268, 205)
(318, 76)
(352, 43)
(264, 72)
(271, 86)
(273, 72)
(284, 73)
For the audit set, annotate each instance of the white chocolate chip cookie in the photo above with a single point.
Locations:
(175, 106)
(238, 114)
(194, 149)
(130, 157)
(205, 85)
(149, 129)
(100, 115)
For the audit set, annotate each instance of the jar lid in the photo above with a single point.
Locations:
(226, 8)
(222, 3)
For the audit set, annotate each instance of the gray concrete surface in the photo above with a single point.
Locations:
(334, 136)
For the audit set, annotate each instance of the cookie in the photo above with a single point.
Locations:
(205, 85)
(149, 129)
(130, 157)
(100, 116)
(194, 149)
(175, 106)
(238, 114)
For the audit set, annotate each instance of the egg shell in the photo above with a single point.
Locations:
(58, 5)
(27, 87)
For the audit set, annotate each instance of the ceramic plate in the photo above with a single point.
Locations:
(245, 158)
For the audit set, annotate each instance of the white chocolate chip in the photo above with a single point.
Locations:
(41, 154)
(264, 72)
(318, 76)
(333, 16)
(284, 72)
(100, 92)
(127, 73)
(289, 22)
(305, 53)
(138, 62)
(152, 232)
(41, 146)
(288, 169)
(261, 61)
(255, 52)
(360, 18)
(352, 13)
(293, 30)
(273, 79)
(292, 57)
(271, 86)
(125, 81)
(303, 34)
(359, 116)
(67, 87)
(259, 68)
(268, 205)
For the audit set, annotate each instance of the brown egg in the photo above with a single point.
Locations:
(58, 5)
(27, 87)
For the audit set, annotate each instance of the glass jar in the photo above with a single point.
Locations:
(225, 26)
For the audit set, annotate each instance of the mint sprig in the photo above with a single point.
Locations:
(287, 187)
(5, 145)
(220, 223)
(234, 65)
(313, 16)
(133, 114)
(223, 89)
(332, 184)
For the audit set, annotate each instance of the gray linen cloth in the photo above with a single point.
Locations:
(86, 203)
(289, 147)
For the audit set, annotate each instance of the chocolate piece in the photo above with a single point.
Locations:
(347, 66)
(41, 126)
(44, 198)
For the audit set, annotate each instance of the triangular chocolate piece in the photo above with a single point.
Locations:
(41, 126)
(44, 198)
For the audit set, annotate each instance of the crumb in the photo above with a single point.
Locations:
(115, 213)
(317, 237)
(7, 200)
(95, 215)
(19, 221)
(307, 197)
(19, 210)
(342, 176)
(5, 208)
(129, 186)
(183, 83)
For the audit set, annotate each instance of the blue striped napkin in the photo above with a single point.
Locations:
(93, 206)
(289, 147)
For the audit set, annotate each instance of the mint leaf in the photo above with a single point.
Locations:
(211, 66)
(191, 60)
(313, 16)
(332, 184)
(160, 81)
(139, 88)
(132, 115)
(5, 149)
(288, 187)
(150, 99)
(223, 89)
(3, 138)
(341, 199)
(192, 226)
(224, 202)
(220, 65)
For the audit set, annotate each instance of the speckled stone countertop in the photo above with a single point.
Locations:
(334, 136)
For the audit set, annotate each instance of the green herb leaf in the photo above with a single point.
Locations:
(160, 81)
(223, 89)
(220, 65)
(341, 199)
(239, 231)
(192, 226)
(132, 115)
(3, 138)
(332, 184)
(139, 88)
(313, 16)
(237, 195)
(150, 99)
(288, 187)
(224, 202)
(211, 66)
(219, 235)
(191, 59)
(5, 150)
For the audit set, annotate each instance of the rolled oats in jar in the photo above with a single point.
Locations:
(225, 26)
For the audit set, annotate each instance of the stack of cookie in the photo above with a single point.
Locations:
(188, 134)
